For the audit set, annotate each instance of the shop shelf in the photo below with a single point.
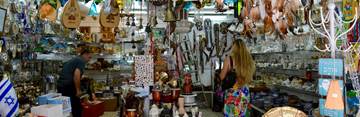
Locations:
(291, 52)
(300, 91)
(291, 72)
(257, 108)
(107, 71)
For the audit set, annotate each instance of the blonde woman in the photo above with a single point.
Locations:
(237, 72)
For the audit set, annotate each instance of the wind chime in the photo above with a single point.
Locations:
(141, 18)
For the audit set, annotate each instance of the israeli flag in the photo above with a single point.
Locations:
(9, 104)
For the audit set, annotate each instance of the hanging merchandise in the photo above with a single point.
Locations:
(48, 10)
(217, 40)
(183, 26)
(133, 20)
(141, 18)
(144, 69)
(354, 35)
(93, 11)
(255, 12)
(159, 2)
(237, 8)
(109, 15)
(120, 3)
(98, 1)
(349, 7)
(169, 13)
(198, 4)
(63, 2)
(208, 33)
(71, 15)
(107, 7)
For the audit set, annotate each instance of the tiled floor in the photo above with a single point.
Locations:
(206, 113)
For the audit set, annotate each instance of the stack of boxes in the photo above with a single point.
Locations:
(51, 104)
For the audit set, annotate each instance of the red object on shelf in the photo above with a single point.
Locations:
(308, 75)
(93, 110)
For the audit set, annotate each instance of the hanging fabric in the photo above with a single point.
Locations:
(63, 2)
(144, 72)
(107, 7)
(93, 10)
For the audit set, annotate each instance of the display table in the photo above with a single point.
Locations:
(95, 109)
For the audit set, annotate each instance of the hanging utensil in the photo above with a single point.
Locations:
(128, 21)
(208, 32)
(141, 18)
(133, 20)
(169, 13)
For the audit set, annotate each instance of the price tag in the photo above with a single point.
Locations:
(331, 67)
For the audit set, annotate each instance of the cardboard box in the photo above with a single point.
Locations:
(65, 101)
(44, 98)
(48, 110)
(93, 110)
(110, 104)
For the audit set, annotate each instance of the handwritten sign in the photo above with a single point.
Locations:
(331, 67)
(2, 19)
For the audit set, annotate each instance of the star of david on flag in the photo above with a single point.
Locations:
(9, 104)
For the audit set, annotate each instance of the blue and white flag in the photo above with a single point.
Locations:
(9, 104)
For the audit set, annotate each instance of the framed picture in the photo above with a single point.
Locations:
(2, 18)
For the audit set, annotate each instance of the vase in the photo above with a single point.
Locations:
(156, 94)
(154, 111)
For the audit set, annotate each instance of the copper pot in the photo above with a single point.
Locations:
(131, 113)
(187, 85)
(175, 93)
(156, 94)
(187, 89)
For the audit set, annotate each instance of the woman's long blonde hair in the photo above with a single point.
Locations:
(244, 64)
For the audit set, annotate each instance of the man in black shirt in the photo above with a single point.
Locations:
(69, 81)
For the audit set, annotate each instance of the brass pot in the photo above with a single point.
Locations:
(173, 83)
(164, 77)
(131, 113)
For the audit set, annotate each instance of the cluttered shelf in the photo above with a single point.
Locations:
(302, 91)
(107, 72)
(289, 52)
(257, 108)
(291, 72)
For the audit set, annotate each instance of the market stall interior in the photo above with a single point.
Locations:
(163, 58)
